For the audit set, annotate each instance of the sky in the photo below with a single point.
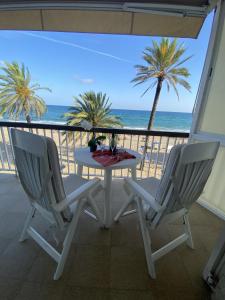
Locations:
(73, 63)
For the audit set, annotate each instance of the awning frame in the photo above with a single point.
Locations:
(108, 17)
(151, 8)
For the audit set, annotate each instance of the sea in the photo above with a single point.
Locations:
(138, 119)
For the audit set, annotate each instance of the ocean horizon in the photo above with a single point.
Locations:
(135, 119)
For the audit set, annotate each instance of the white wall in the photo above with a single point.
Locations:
(212, 123)
(214, 192)
(213, 120)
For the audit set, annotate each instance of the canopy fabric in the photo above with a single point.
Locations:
(176, 19)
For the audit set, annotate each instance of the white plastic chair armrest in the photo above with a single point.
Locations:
(77, 194)
(139, 191)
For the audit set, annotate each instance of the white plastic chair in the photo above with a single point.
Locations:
(186, 173)
(38, 167)
(214, 271)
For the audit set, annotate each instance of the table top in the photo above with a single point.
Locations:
(83, 156)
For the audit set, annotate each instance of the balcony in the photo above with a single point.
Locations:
(111, 264)
(103, 264)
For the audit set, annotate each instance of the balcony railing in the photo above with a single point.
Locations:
(68, 138)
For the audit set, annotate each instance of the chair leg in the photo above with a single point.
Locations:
(68, 240)
(187, 226)
(146, 240)
(95, 209)
(24, 235)
(126, 189)
(123, 208)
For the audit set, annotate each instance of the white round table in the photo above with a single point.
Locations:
(83, 157)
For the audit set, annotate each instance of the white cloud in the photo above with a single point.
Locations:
(84, 80)
(76, 46)
(87, 80)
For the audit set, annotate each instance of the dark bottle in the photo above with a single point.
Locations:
(113, 144)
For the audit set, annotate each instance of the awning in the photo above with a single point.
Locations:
(177, 19)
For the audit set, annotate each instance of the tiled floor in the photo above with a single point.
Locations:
(102, 264)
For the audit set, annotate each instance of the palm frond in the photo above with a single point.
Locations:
(17, 92)
(93, 107)
(163, 60)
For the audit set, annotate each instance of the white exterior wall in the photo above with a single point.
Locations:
(211, 120)
(213, 196)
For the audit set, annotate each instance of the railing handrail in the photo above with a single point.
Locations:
(96, 129)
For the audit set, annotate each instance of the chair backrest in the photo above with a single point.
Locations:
(187, 171)
(38, 167)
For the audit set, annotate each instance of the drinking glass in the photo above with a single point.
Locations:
(102, 146)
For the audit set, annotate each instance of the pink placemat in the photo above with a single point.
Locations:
(106, 158)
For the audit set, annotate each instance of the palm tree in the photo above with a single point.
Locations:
(18, 94)
(163, 61)
(94, 108)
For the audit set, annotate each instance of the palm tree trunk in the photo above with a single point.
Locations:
(152, 116)
(155, 103)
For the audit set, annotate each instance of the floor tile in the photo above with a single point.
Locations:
(36, 291)
(131, 295)
(90, 267)
(128, 268)
(17, 259)
(89, 232)
(72, 293)
(44, 267)
(126, 232)
(11, 224)
(9, 288)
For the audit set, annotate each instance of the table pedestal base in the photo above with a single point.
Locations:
(107, 206)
